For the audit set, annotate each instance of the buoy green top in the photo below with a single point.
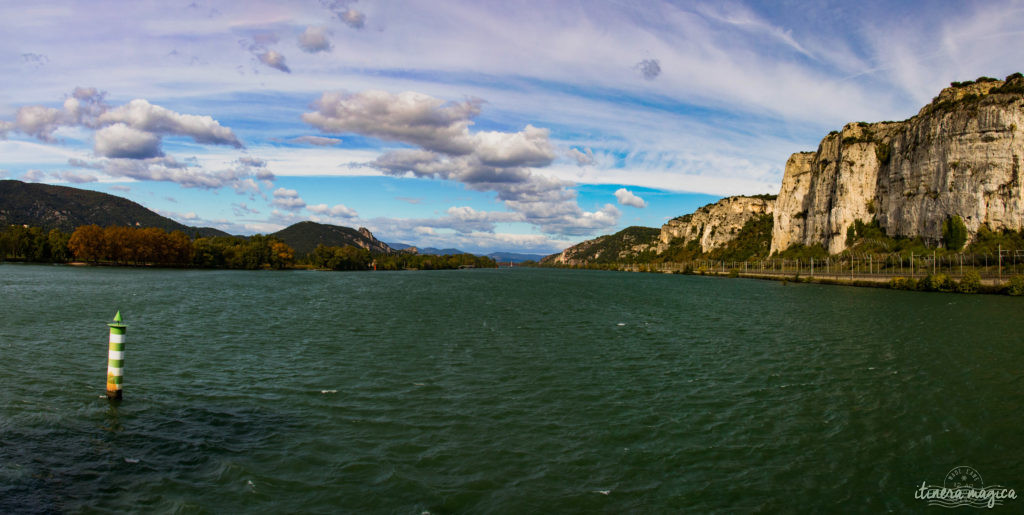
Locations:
(118, 323)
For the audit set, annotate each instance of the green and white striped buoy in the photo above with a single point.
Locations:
(115, 357)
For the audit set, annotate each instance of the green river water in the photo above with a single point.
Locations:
(505, 391)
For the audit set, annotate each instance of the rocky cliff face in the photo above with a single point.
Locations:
(716, 224)
(960, 155)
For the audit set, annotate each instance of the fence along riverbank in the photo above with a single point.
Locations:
(995, 271)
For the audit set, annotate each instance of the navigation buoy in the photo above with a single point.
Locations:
(115, 357)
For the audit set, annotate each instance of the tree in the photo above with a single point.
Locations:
(88, 243)
(954, 233)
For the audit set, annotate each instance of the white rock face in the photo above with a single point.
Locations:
(714, 225)
(960, 155)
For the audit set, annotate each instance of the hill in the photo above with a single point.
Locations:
(622, 247)
(65, 208)
(305, 236)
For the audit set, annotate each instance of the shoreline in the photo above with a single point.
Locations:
(988, 286)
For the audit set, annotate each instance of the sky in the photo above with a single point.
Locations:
(483, 126)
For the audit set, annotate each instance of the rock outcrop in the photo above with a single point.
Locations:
(959, 156)
(714, 225)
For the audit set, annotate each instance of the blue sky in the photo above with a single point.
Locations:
(486, 126)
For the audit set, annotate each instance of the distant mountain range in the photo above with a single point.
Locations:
(64, 208)
(500, 257)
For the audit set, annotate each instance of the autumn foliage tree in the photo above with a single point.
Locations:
(129, 245)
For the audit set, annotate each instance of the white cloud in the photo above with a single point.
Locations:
(628, 198)
(288, 199)
(582, 157)
(409, 117)
(121, 140)
(141, 115)
(496, 161)
(314, 39)
(530, 147)
(338, 210)
(239, 177)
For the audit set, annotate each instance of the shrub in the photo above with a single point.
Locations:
(937, 282)
(903, 283)
(882, 152)
(735, 272)
(1016, 286)
(970, 283)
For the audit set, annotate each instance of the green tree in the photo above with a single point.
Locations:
(954, 233)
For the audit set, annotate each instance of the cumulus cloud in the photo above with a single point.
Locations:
(130, 131)
(140, 114)
(121, 140)
(409, 117)
(314, 39)
(320, 141)
(649, 68)
(288, 199)
(628, 198)
(530, 147)
(338, 210)
(79, 109)
(274, 59)
(501, 162)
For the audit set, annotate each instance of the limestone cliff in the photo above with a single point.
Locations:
(960, 155)
(716, 224)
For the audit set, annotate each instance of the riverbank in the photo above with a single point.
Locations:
(939, 282)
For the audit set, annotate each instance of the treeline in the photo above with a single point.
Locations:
(152, 246)
(354, 258)
(143, 246)
(34, 244)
